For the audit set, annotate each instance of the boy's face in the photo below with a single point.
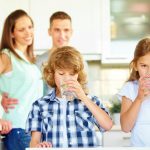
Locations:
(61, 32)
(64, 75)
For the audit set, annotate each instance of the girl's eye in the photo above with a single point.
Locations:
(30, 27)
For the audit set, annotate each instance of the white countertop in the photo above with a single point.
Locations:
(97, 148)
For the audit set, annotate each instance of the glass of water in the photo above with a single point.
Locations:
(147, 90)
(65, 93)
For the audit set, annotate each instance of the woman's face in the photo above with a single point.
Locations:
(143, 65)
(23, 33)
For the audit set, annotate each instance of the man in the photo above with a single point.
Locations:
(60, 31)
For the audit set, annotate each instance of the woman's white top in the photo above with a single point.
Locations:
(140, 134)
(24, 83)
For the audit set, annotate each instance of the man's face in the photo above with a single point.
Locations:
(61, 32)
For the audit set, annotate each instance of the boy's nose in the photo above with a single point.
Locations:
(148, 71)
(66, 78)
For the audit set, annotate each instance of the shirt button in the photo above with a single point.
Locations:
(69, 129)
(18, 132)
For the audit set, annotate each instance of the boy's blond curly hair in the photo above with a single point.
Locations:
(66, 57)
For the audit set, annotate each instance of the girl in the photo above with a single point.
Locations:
(58, 122)
(19, 76)
(135, 108)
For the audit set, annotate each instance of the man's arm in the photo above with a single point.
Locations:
(7, 102)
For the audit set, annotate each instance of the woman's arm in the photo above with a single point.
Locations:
(5, 63)
(5, 66)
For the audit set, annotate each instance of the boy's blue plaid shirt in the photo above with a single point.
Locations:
(46, 117)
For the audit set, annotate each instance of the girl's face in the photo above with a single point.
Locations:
(64, 75)
(143, 65)
(23, 33)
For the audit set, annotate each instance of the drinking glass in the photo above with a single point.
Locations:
(147, 78)
(65, 93)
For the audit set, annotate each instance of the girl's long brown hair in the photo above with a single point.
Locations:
(65, 58)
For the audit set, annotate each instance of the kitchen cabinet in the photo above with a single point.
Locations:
(116, 138)
(125, 22)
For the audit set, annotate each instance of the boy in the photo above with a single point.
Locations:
(58, 122)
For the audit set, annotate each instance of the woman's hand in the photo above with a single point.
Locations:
(6, 126)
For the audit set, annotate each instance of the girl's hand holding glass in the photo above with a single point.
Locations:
(144, 87)
(147, 85)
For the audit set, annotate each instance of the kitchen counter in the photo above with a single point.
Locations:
(97, 148)
(116, 128)
(116, 138)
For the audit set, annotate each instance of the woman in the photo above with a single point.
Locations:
(19, 76)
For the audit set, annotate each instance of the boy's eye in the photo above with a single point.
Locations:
(72, 74)
(61, 73)
(143, 66)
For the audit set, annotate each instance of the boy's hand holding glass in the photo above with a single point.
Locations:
(71, 89)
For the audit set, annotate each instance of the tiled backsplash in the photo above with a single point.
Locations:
(105, 81)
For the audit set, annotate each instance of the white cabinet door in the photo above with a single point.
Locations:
(125, 22)
(86, 19)
(7, 6)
